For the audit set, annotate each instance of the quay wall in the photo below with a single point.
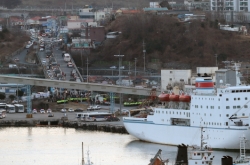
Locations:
(92, 126)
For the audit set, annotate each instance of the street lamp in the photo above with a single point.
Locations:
(120, 59)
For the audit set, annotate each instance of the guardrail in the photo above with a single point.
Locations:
(77, 71)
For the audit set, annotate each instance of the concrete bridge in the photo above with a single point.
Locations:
(76, 85)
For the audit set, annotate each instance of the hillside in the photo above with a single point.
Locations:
(171, 43)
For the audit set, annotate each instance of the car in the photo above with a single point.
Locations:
(49, 111)
(112, 67)
(44, 62)
(92, 108)
(125, 111)
(16, 59)
(42, 111)
(34, 111)
(122, 67)
(71, 110)
(51, 115)
(14, 101)
(112, 118)
(78, 110)
(63, 110)
(41, 49)
(70, 65)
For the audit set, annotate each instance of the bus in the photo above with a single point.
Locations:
(94, 116)
(19, 108)
(66, 57)
(2, 106)
(2, 114)
(10, 108)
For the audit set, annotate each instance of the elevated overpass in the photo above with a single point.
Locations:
(76, 85)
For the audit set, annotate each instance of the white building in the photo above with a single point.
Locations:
(170, 76)
(230, 5)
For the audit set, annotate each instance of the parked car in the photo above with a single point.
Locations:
(63, 110)
(49, 111)
(78, 110)
(124, 111)
(112, 67)
(113, 118)
(41, 49)
(92, 108)
(51, 115)
(71, 110)
(14, 101)
(34, 111)
(42, 111)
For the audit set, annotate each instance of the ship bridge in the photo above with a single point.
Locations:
(76, 85)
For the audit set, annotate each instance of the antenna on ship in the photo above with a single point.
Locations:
(82, 155)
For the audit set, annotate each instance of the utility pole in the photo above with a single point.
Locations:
(216, 59)
(120, 81)
(135, 66)
(144, 51)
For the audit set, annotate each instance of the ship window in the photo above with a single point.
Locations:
(226, 99)
(177, 113)
(173, 112)
(245, 106)
(180, 113)
(240, 90)
(184, 113)
(234, 98)
(204, 114)
(248, 90)
(201, 106)
(227, 115)
(218, 107)
(169, 112)
(245, 98)
(233, 91)
(243, 114)
(207, 107)
(238, 98)
(244, 90)
(162, 111)
(166, 112)
(171, 72)
(226, 123)
(219, 99)
(170, 79)
(237, 91)
(227, 107)
(220, 95)
(220, 115)
(198, 154)
(234, 107)
(238, 106)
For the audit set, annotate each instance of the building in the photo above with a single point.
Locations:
(171, 76)
(230, 5)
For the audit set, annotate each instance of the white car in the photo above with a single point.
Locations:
(92, 108)
(34, 111)
(113, 67)
(70, 65)
(41, 49)
(125, 111)
(63, 110)
(14, 101)
(49, 111)
(42, 111)
(71, 110)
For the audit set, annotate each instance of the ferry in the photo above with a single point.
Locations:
(222, 111)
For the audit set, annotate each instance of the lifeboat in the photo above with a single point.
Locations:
(185, 98)
(174, 97)
(204, 84)
(163, 97)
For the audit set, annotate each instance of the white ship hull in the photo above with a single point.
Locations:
(175, 135)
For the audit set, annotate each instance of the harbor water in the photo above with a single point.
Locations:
(63, 146)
